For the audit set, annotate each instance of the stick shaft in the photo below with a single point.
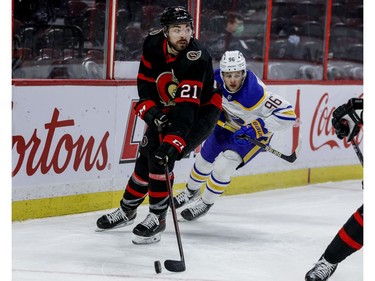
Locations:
(290, 158)
(173, 208)
(174, 214)
(358, 151)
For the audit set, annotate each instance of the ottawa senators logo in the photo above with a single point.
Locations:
(194, 55)
(167, 85)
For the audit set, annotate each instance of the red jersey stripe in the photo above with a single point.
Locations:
(348, 240)
(158, 194)
(178, 100)
(358, 218)
(135, 193)
(143, 77)
(146, 63)
(137, 179)
(216, 100)
(157, 177)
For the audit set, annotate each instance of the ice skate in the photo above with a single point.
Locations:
(117, 218)
(196, 211)
(321, 271)
(149, 230)
(185, 197)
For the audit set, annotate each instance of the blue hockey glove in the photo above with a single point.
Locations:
(255, 130)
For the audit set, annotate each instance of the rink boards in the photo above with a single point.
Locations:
(74, 147)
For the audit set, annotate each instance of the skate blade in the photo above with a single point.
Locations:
(185, 206)
(140, 240)
(117, 226)
(181, 218)
(184, 218)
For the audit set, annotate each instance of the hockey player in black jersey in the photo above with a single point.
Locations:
(175, 87)
(347, 121)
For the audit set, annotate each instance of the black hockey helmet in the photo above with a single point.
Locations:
(175, 15)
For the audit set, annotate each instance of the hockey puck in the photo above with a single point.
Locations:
(157, 266)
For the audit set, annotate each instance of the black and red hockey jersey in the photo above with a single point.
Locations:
(178, 84)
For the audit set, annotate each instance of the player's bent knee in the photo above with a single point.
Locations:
(225, 164)
(202, 164)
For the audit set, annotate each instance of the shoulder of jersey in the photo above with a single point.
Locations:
(196, 52)
(252, 92)
(156, 32)
(154, 39)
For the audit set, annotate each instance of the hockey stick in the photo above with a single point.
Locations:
(290, 158)
(358, 151)
(173, 265)
(345, 127)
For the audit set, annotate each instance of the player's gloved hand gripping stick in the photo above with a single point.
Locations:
(290, 158)
(348, 122)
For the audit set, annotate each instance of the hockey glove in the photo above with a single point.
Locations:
(255, 130)
(346, 121)
(147, 110)
(169, 150)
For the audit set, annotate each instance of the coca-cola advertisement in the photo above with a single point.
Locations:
(79, 140)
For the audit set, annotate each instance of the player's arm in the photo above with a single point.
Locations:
(276, 114)
(174, 140)
(279, 113)
(188, 96)
(208, 115)
(146, 79)
(185, 112)
(146, 108)
(187, 103)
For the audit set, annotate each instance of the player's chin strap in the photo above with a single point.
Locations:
(290, 158)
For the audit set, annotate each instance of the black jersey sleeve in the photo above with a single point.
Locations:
(196, 81)
(145, 78)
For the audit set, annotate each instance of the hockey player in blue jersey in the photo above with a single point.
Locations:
(248, 109)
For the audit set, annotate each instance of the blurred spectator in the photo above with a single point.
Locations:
(39, 12)
(287, 44)
(234, 29)
(229, 38)
(293, 45)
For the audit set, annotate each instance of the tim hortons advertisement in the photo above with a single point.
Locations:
(70, 140)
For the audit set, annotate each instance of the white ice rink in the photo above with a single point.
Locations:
(266, 236)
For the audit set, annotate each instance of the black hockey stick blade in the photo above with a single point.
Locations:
(174, 266)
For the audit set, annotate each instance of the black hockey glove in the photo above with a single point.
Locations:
(346, 120)
(155, 116)
(150, 113)
(165, 154)
(169, 150)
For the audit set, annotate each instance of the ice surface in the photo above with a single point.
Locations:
(267, 236)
